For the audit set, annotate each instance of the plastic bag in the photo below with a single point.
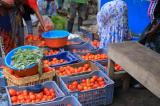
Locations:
(48, 24)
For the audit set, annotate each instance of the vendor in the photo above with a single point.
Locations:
(112, 22)
(15, 10)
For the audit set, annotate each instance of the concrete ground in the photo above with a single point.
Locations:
(135, 97)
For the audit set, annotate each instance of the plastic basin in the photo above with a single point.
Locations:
(28, 71)
(56, 38)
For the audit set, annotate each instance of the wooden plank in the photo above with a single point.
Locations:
(140, 62)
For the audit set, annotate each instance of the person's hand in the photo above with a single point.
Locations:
(48, 27)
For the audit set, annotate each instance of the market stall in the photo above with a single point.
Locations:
(57, 71)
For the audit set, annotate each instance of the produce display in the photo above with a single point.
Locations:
(54, 61)
(88, 76)
(50, 52)
(96, 43)
(68, 70)
(25, 97)
(24, 58)
(117, 67)
(83, 50)
(87, 84)
(59, 22)
(94, 57)
(34, 40)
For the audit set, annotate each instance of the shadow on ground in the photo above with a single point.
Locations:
(135, 97)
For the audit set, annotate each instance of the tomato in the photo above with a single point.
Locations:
(32, 97)
(100, 79)
(75, 83)
(39, 96)
(12, 92)
(20, 97)
(80, 88)
(94, 77)
(25, 93)
(14, 99)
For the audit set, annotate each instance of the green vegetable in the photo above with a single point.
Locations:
(59, 22)
(24, 58)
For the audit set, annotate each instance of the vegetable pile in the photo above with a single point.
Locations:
(24, 58)
(34, 40)
(59, 22)
(87, 84)
(117, 67)
(51, 52)
(24, 96)
(94, 57)
(68, 70)
(54, 61)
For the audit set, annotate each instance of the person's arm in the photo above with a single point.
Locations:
(34, 6)
(6, 3)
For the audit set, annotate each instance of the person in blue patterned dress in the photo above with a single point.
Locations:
(112, 22)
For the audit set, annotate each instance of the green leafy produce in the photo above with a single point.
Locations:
(24, 58)
(59, 22)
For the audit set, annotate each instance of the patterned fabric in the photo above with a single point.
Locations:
(151, 9)
(112, 22)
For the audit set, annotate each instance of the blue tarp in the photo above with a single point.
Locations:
(137, 14)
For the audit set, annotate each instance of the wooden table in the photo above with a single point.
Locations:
(138, 61)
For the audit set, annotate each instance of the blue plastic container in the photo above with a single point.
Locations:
(55, 34)
(78, 40)
(63, 102)
(48, 49)
(48, 84)
(63, 55)
(86, 46)
(8, 57)
(87, 34)
(96, 97)
(95, 51)
(101, 66)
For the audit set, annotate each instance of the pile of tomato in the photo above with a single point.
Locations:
(54, 61)
(34, 40)
(25, 97)
(68, 70)
(94, 57)
(96, 43)
(87, 84)
(117, 67)
(51, 52)
(83, 50)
